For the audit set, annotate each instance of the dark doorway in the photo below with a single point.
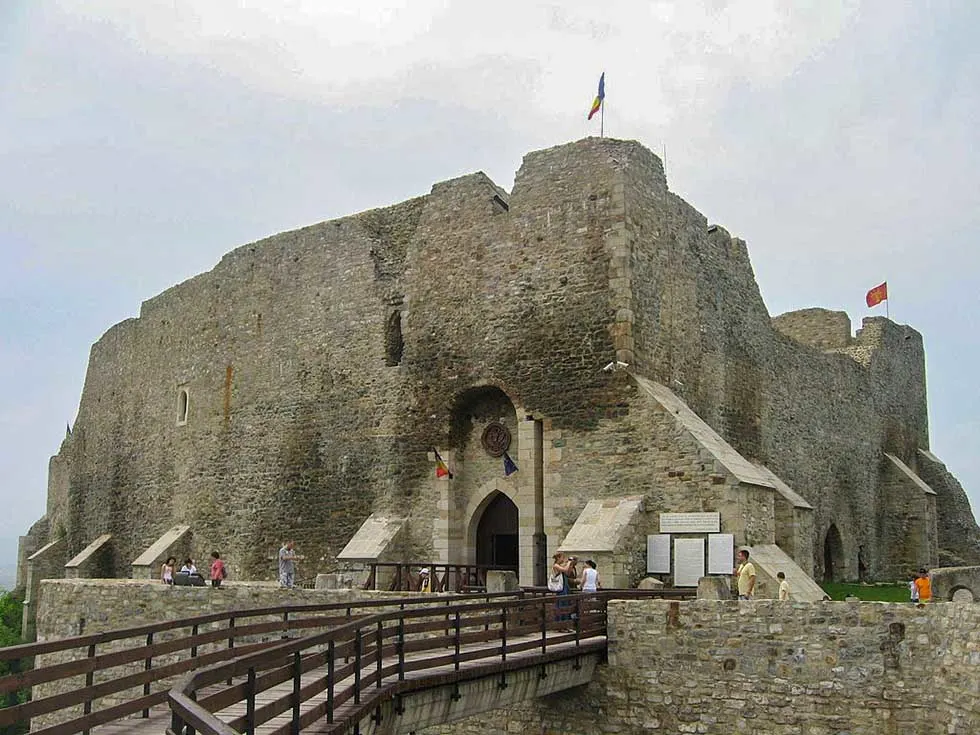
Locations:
(833, 555)
(496, 534)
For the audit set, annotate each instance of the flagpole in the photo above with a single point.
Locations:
(602, 117)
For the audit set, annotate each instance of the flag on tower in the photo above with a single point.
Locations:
(509, 467)
(597, 102)
(876, 295)
(442, 469)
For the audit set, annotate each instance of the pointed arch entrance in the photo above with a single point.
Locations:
(497, 540)
(833, 555)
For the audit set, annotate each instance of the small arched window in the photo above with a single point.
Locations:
(183, 403)
(394, 345)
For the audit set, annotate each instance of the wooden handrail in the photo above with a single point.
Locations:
(142, 644)
(354, 657)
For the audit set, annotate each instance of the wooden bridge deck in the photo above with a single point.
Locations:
(159, 719)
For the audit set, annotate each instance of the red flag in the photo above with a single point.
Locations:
(442, 470)
(876, 295)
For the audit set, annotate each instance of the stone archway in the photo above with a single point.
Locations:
(833, 555)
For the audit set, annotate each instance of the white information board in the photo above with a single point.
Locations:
(721, 553)
(690, 522)
(658, 554)
(688, 561)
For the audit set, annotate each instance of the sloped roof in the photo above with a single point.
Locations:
(783, 489)
(601, 524)
(372, 538)
(707, 437)
(907, 471)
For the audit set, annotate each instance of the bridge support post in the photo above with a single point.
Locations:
(297, 676)
(250, 702)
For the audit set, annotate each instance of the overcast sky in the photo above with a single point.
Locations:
(139, 141)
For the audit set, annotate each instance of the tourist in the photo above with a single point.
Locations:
(188, 567)
(425, 584)
(167, 571)
(745, 574)
(218, 571)
(783, 586)
(590, 577)
(923, 588)
(573, 580)
(287, 564)
(561, 567)
(914, 590)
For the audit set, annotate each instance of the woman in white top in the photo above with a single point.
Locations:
(590, 577)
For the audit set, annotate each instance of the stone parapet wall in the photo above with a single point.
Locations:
(820, 328)
(770, 668)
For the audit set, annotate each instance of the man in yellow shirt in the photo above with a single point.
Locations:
(745, 573)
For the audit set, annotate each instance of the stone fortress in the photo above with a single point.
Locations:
(590, 328)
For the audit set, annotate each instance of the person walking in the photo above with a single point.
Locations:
(923, 588)
(287, 565)
(218, 572)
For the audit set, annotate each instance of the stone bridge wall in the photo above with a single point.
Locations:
(770, 668)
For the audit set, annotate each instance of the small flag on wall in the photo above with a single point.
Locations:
(597, 102)
(509, 467)
(878, 294)
(442, 470)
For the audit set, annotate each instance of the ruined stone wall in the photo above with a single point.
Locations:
(770, 668)
(957, 532)
(322, 365)
(289, 428)
(820, 328)
(820, 421)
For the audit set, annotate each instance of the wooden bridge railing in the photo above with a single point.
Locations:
(355, 667)
(111, 675)
(404, 576)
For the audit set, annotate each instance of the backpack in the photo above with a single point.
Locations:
(555, 583)
(224, 571)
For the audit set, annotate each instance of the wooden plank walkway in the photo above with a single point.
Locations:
(159, 719)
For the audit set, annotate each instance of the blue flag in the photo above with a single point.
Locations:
(509, 467)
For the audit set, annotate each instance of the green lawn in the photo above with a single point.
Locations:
(874, 592)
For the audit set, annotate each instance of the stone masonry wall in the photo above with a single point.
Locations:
(820, 328)
(770, 668)
(958, 534)
(321, 366)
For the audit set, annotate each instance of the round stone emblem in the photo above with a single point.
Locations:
(496, 439)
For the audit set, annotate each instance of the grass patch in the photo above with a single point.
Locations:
(869, 592)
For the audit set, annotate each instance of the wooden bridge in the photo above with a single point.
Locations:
(380, 666)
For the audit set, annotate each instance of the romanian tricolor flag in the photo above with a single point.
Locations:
(597, 102)
(876, 295)
(442, 469)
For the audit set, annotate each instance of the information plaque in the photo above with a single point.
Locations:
(658, 554)
(688, 561)
(721, 553)
(690, 522)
